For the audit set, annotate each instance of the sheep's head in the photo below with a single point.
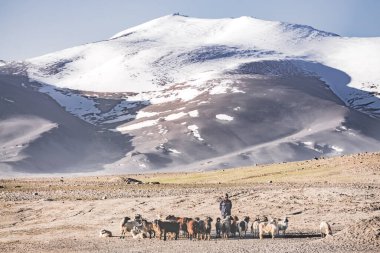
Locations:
(170, 217)
(126, 219)
(156, 222)
(246, 219)
(228, 218)
(218, 219)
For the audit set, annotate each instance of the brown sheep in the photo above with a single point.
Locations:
(183, 225)
(148, 228)
(192, 229)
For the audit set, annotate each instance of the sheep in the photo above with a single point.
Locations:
(325, 229)
(242, 227)
(234, 226)
(147, 228)
(126, 224)
(268, 227)
(183, 225)
(105, 233)
(226, 227)
(255, 228)
(282, 226)
(218, 227)
(201, 229)
(123, 226)
(137, 232)
(165, 227)
(208, 221)
(192, 228)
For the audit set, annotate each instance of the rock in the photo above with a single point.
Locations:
(270, 181)
(133, 181)
(104, 197)
(154, 183)
(48, 199)
(35, 194)
(2, 186)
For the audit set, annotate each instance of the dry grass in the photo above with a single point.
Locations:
(359, 168)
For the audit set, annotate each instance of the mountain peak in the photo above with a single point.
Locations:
(200, 27)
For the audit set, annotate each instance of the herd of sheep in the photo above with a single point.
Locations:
(172, 227)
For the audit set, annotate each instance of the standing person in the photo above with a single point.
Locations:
(225, 206)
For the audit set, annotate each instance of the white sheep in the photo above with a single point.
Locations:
(255, 228)
(325, 229)
(282, 225)
(268, 227)
(137, 232)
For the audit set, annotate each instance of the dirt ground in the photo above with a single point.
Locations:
(66, 214)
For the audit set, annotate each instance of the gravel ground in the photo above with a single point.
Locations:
(50, 215)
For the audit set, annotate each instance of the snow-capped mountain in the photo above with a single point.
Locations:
(211, 93)
(2, 63)
(176, 49)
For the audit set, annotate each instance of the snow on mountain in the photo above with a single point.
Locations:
(176, 49)
(2, 63)
(187, 93)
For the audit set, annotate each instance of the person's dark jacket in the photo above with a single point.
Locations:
(225, 207)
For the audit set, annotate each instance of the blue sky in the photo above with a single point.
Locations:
(30, 28)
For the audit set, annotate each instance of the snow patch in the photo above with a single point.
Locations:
(136, 126)
(143, 114)
(337, 149)
(76, 104)
(194, 130)
(175, 116)
(174, 151)
(224, 117)
(194, 114)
